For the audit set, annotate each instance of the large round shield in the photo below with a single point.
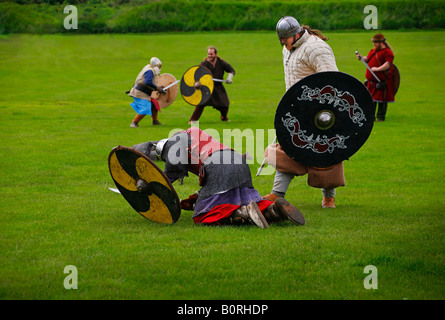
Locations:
(167, 99)
(324, 118)
(197, 85)
(143, 184)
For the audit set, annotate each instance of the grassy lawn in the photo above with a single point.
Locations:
(63, 109)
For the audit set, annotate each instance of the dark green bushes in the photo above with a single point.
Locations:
(121, 16)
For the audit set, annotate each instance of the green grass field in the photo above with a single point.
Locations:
(63, 109)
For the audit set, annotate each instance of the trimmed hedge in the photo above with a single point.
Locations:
(174, 15)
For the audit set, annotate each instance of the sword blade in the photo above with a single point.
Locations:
(367, 67)
(114, 190)
(370, 70)
(171, 85)
(261, 168)
(264, 161)
(219, 80)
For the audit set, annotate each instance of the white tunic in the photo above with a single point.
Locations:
(311, 55)
(140, 80)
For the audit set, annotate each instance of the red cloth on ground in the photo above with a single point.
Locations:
(224, 211)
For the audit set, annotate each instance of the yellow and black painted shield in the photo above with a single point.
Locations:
(197, 85)
(143, 184)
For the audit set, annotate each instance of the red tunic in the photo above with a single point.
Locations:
(202, 147)
(377, 59)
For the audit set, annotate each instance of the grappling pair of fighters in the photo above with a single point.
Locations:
(227, 195)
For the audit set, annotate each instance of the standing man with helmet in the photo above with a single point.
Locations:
(305, 52)
(380, 60)
(219, 99)
(145, 84)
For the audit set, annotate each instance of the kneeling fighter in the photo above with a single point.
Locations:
(227, 195)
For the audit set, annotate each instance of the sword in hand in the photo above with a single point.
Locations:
(228, 81)
(219, 80)
(169, 86)
(366, 65)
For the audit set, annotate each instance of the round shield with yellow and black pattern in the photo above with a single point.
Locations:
(197, 85)
(143, 184)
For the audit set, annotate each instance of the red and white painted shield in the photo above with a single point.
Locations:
(324, 118)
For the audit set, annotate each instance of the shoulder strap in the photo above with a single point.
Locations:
(381, 64)
(374, 54)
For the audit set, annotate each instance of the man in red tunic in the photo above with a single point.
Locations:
(219, 99)
(380, 60)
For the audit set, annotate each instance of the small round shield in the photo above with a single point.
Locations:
(197, 85)
(324, 118)
(167, 99)
(144, 185)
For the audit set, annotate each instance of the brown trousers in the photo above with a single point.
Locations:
(199, 110)
(327, 178)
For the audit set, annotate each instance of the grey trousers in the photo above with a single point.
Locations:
(282, 181)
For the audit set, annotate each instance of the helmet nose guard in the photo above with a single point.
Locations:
(287, 27)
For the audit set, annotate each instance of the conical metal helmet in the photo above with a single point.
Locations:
(287, 27)
(155, 62)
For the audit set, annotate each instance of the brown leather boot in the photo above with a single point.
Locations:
(271, 215)
(328, 202)
(288, 211)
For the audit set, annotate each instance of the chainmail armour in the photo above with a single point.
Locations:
(224, 169)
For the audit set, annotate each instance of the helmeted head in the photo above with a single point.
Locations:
(156, 64)
(160, 147)
(287, 27)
